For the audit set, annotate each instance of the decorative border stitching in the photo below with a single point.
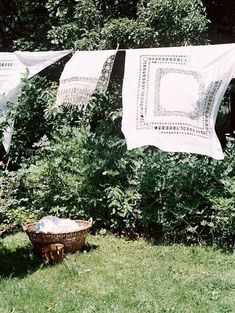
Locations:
(77, 90)
(204, 108)
(145, 63)
(159, 110)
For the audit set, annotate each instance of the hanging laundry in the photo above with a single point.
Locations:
(171, 97)
(35, 62)
(13, 66)
(85, 73)
(10, 68)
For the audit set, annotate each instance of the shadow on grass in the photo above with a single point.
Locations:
(207, 245)
(89, 247)
(22, 262)
(17, 263)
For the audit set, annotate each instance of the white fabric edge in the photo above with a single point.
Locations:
(8, 132)
(141, 141)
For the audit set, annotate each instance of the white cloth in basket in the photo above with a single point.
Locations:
(55, 225)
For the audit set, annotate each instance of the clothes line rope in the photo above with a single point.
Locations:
(171, 95)
(153, 48)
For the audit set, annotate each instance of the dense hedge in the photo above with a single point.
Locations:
(83, 169)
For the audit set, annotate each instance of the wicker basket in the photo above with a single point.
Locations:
(72, 241)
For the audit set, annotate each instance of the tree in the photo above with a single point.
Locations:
(23, 25)
(96, 24)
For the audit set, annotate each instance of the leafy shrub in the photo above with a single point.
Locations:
(85, 170)
(132, 24)
(176, 22)
(190, 196)
(128, 33)
(79, 177)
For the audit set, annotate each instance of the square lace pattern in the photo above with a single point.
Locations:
(172, 98)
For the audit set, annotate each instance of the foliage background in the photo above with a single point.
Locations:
(76, 164)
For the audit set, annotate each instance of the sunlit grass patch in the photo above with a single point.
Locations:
(117, 275)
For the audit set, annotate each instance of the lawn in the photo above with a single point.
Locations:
(117, 275)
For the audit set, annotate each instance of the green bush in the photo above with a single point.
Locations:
(176, 22)
(190, 196)
(84, 170)
(91, 24)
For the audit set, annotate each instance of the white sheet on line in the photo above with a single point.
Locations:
(171, 97)
(85, 73)
(13, 66)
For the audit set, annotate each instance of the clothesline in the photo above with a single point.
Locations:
(127, 49)
(171, 95)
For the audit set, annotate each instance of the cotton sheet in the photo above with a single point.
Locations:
(85, 73)
(171, 97)
(13, 66)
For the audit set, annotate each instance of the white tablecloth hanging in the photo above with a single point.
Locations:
(85, 73)
(171, 97)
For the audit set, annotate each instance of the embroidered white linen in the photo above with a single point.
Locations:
(10, 68)
(13, 66)
(171, 97)
(85, 72)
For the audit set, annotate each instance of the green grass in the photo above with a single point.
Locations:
(117, 276)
